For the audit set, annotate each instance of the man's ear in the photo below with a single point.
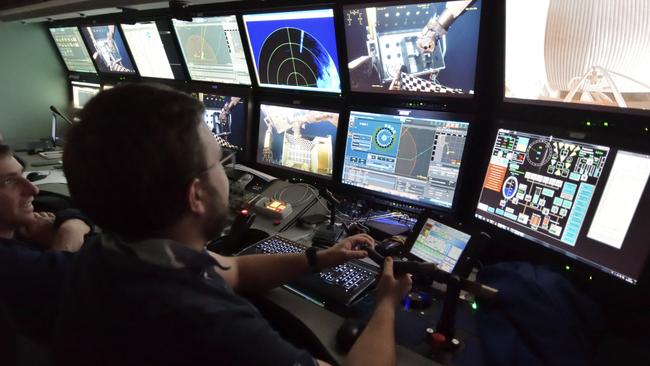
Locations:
(195, 196)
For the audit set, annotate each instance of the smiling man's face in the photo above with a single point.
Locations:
(16, 196)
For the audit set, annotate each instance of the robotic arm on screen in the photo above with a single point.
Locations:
(281, 123)
(438, 26)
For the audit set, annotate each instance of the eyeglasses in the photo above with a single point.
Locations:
(226, 160)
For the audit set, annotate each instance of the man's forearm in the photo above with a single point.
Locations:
(376, 345)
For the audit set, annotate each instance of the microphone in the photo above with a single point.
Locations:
(56, 112)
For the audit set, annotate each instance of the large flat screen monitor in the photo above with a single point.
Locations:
(408, 155)
(148, 50)
(580, 52)
(584, 200)
(225, 116)
(107, 48)
(422, 48)
(213, 50)
(297, 140)
(83, 92)
(295, 50)
(72, 49)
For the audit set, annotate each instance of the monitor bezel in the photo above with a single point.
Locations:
(72, 85)
(288, 9)
(450, 116)
(407, 94)
(594, 136)
(290, 173)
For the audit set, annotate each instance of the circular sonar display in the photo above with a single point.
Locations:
(291, 56)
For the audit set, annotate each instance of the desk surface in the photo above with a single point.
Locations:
(35, 162)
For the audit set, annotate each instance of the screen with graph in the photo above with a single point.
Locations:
(406, 154)
(213, 50)
(295, 50)
(300, 140)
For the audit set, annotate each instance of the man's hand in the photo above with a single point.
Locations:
(390, 289)
(70, 235)
(40, 231)
(345, 250)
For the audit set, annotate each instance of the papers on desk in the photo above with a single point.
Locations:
(55, 176)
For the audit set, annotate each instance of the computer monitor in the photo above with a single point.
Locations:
(297, 140)
(148, 50)
(213, 50)
(435, 242)
(226, 118)
(83, 92)
(107, 49)
(294, 50)
(587, 201)
(589, 53)
(427, 48)
(407, 155)
(72, 49)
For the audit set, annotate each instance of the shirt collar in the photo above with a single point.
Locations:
(166, 253)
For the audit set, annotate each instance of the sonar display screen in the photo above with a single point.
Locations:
(295, 50)
(425, 48)
(298, 139)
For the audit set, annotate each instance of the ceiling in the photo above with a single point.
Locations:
(45, 10)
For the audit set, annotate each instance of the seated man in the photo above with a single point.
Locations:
(147, 291)
(30, 277)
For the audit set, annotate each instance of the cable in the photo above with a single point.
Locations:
(308, 194)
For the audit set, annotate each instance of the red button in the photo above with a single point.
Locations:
(438, 339)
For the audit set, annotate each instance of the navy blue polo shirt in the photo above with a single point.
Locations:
(157, 302)
(30, 281)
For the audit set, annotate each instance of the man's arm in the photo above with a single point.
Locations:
(252, 273)
(376, 345)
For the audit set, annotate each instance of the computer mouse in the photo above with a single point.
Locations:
(348, 333)
(35, 176)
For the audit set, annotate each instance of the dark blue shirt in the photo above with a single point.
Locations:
(30, 282)
(157, 302)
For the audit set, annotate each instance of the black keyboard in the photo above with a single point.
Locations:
(340, 285)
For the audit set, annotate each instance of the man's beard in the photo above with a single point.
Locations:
(216, 214)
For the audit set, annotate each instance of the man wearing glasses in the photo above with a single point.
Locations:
(35, 251)
(147, 291)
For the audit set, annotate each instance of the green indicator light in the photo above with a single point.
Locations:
(474, 306)
(646, 129)
(605, 124)
(590, 278)
(567, 268)
(588, 123)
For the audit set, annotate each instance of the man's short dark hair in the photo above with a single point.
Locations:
(5, 150)
(130, 160)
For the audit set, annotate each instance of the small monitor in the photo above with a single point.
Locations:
(408, 155)
(295, 50)
(427, 48)
(83, 92)
(213, 50)
(148, 50)
(225, 116)
(72, 49)
(107, 49)
(584, 200)
(578, 53)
(297, 140)
(440, 244)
